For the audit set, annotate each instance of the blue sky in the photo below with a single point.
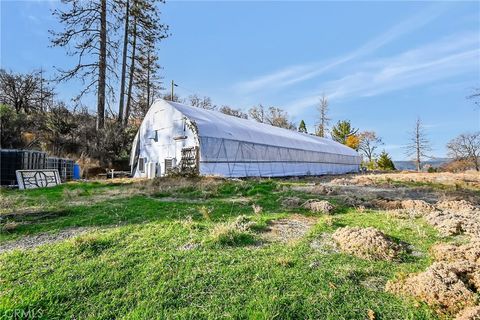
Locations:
(381, 64)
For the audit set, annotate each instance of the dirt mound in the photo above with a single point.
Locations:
(367, 243)
(289, 229)
(291, 202)
(450, 223)
(470, 313)
(443, 286)
(416, 207)
(458, 206)
(450, 253)
(319, 206)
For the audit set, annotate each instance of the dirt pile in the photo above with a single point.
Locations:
(319, 206)
(367, 243)
(449, 217)
(452, 223)
(459, 206)
(450, 284)
(470, 313)
(291, 202)
(412, 208)
(444, 286)
(450, 253)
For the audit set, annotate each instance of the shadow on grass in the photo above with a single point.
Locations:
(133, 210)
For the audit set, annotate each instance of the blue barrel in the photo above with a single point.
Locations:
(76, 171)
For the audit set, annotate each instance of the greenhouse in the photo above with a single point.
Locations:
(179, 138)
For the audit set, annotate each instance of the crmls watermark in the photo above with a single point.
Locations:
(20, 314)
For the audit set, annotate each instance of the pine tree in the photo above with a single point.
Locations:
(342, 130)
(384, 162)
(146, 31)
(86, 26)
(302, 127)
(124, 62)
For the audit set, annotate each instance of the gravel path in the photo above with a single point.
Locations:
(33, 241)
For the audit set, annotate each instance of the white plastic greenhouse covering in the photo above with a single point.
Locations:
(235, 147)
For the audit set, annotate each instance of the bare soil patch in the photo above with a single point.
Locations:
(324, 244)
(289, 229)
(367, 243)
(33, 241)
(467, 179)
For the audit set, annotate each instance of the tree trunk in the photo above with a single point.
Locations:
(418, 147)
(132, 70)
(148, 79)
(102, 66)
(124, 64)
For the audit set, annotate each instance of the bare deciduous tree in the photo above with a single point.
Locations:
(323, 120)
(466, 147)
(257, 113)
(233, 112)
(273, 116)
(25, 92)
(204, 103)
(369, 142)
(419, 145)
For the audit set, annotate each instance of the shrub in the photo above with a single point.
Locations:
(230, 235)
(384, 162)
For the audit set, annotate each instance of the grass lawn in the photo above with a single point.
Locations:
(151, 253)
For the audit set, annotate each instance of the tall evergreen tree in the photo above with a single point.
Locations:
(342, 130)
(123, 74)
(86, 26)
(145, 34)
(302, 127)
(384, 162)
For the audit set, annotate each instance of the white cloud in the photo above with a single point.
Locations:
(298, 73)
(448, 57)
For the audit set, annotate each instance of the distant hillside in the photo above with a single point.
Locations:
(410, 165)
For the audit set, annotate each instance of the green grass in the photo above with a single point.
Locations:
(133, 264)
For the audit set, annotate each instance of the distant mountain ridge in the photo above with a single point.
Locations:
(410, 165)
